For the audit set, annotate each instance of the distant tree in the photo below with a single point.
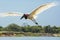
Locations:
(13, 27)
(48, 29)
(26, 29)
(56, 29)
(1, 28)
(59, 29)
(35, 29)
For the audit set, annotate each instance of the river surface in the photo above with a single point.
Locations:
(29, 38)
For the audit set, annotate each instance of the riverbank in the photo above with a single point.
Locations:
(21, 34)
(39, 34)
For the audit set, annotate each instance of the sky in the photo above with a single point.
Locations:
(48, 17)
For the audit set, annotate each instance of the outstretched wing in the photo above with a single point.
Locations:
(11, 14)
(42, 8)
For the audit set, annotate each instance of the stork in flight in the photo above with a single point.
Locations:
(38, 10)
(34, 13)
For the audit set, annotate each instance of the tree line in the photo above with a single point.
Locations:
(33, 29)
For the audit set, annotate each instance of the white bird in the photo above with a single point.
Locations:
(34, 13)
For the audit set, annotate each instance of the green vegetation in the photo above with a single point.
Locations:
(31, 30)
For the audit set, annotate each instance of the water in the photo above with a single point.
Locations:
(29, 38)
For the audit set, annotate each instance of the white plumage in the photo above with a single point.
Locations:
(41, 9)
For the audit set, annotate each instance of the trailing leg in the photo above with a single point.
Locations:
(35, 21)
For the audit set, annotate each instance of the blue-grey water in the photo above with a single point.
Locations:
(29, 38)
